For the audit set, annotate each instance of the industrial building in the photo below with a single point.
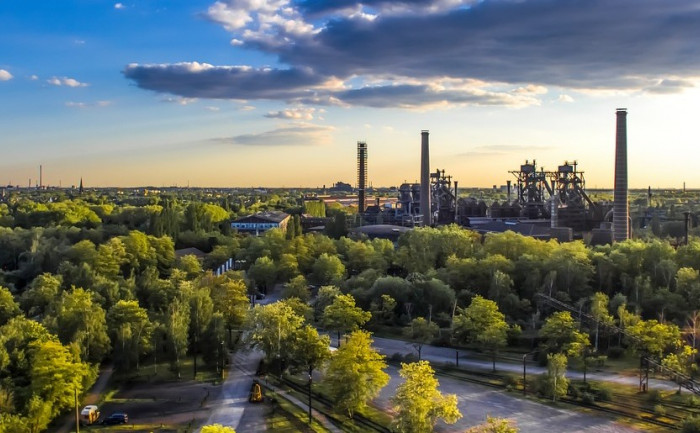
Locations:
(546, 204)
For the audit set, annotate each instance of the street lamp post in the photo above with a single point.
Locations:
(310, 379)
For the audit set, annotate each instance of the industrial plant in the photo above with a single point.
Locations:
(539, 202)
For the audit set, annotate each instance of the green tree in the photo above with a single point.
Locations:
(77, 318)
(263, 272)
(56, 374)
(681, 362)
(111, 255)
(129, 331)
(382, 310)
(8, 307)
(653, 337)
(355, 373)
(482, 323)
(288, 267)
(418, 403)
(328, 269)
(325, 297)
(557, 383)
(176, 326)
(297, 287)
(421, 332)
(230, 297)
(494, 425)
(343, 316)
(560, 334)
(272, 329)
(599, 311)
(42, 291)
(310, 350)
(201, 310)
(190, 265)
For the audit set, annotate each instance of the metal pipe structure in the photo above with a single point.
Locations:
(425, 207)
(621, 208)
(554, 214)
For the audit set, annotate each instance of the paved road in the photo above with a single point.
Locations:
(476, 401)
(231, 408)
(389, 347)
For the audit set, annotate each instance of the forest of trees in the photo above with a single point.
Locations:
(94, 279)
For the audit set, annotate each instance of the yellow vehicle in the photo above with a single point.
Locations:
(89, 415)
(255, 393)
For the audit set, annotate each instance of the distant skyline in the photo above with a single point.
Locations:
(239, 93)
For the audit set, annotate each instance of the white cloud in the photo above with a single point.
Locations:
(565, 98)
(34, 77)
(119, 6)
(97, 104)
(298, 134)
(5, 75)
(65, 81)
(292, 113)
(180, 100)
(211, 108)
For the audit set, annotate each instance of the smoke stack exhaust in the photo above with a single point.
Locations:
(621, 209)
(425, 179)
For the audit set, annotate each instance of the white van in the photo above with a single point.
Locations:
(89, 415)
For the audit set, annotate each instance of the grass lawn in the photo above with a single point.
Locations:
(284, 416)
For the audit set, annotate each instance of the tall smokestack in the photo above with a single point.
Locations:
(361, 175)
(621, 209)
(41, 176)
(425, 178)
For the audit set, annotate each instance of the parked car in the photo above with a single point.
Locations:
(116, 418)
(89, 414)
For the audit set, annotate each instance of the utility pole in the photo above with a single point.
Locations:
(77, 414)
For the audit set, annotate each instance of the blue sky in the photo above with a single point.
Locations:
(277, 92)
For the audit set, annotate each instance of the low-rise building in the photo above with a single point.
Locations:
(261, 222)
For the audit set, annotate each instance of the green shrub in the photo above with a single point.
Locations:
(654, 396)
(691, 425)
(603, 393)
(659, 410)
(510, 381)
(587, 398)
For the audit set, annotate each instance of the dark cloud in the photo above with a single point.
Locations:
(195, 80)
(591, 44)
(318, 7)
(669, 86)
(631, 45)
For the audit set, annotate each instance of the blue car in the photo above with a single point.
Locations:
(116, 418)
